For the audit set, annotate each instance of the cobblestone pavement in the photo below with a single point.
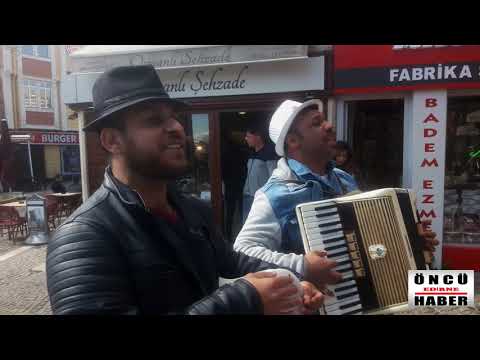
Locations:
(6, 245)
(23, 288)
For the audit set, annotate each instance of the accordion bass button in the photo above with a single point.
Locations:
(377, 251)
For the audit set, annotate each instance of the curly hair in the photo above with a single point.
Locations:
(343, 146)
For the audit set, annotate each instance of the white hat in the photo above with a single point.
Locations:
(283, 118)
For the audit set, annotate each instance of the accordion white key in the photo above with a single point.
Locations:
(373, 237)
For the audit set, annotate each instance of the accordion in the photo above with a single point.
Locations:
(373, 237)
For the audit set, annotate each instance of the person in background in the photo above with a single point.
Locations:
(57, 186)
(260, 165)
(344, 160)
(75, 186)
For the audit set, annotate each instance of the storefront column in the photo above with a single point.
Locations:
(52, 161)
(408, 151)
(330, 111)
(427, 131)
(340, 120)
(83, 155)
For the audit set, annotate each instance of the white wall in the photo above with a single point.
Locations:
(7, 85)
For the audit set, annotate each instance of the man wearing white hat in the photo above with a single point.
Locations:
(306, 142)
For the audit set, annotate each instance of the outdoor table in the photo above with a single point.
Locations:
(20, 206)
(68, 194)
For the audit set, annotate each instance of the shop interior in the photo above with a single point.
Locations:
(21, 173)
(234, 157)
(376, 136)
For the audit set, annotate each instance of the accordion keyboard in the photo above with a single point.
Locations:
(324, 231)
(368, 239)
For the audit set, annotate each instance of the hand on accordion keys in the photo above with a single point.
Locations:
(319, 269)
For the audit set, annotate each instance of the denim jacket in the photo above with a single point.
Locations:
(271, 232)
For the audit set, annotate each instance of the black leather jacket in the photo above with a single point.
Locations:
(112, 256)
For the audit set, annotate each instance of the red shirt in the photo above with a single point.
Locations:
(170, 217)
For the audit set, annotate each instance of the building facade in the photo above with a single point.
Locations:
(412, 116)
(228, 87)
(31, 77)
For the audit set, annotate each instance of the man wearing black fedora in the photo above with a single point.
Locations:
(136, 246)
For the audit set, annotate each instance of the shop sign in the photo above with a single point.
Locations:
(429, 126)
(241, 79)
(373, 68)
(51, 138)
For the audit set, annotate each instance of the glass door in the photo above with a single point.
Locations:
(375, 133)
(197, 181)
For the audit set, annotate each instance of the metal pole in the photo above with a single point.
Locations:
(83, 155)
(30, 159)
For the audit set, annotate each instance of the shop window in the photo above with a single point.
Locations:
(37, 94)
(70, 156)
(40, 51)
(27, 50)
(462, 178)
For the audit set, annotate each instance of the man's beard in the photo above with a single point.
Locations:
(148, 166)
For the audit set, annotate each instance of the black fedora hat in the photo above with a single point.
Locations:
(121, 87)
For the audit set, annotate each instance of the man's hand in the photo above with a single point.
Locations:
(319, 269)
(429, 236)
(312, 298)
(276, 292)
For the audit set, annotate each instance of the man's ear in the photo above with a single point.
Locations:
(112, 140)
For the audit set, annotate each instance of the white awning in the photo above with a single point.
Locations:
(104, 50)
(98, 58)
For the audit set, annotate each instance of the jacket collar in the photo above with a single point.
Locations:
(126, 195)
(304, 171)
(290, 169)
(131, 197)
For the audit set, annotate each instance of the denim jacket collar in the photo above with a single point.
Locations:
(304, 172)
(331, 182)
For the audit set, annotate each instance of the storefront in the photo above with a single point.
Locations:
(44, 156)
(228, 87)
(412, 115)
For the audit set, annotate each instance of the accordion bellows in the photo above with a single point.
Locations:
(374, 238)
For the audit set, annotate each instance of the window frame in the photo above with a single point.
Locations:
(39, 92)
(36, 53)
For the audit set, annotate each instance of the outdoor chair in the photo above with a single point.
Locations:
(12, 223)
(53, 211)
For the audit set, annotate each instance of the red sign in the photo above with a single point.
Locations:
(371, 68)
(52, 138)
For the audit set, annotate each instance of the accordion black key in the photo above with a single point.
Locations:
(373, 237)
